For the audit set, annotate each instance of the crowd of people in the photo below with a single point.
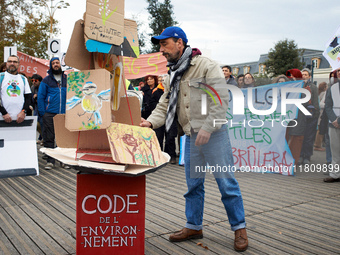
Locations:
(311, 132)
(169, 107)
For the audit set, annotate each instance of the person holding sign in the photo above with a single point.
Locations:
(15, 92)
(206, 144)
(332, 108)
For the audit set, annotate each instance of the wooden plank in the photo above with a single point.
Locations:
(21, 241)
(6, 247)
(169, 247)
(225, 236)
(315, 240)
(31, 220)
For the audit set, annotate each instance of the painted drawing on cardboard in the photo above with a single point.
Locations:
(105, 61)
(134, 145)
(86, 100)
(117, 84)
(104, 10)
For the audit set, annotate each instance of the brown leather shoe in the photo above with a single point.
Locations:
(186, 234)
(330, 179)
(241, 240)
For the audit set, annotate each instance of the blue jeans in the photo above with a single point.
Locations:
(216, 153)
(328, 148)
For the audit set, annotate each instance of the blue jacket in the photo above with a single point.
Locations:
(51, 95)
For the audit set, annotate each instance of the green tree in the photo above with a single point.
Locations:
(161, 17)
(22, 25)
(33, 39)
(283, 57)
(10, 13)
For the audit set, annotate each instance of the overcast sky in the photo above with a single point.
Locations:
(234, 32)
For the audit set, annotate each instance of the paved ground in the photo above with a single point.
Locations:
(285, 214)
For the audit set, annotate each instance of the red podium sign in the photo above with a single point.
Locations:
(110, 214)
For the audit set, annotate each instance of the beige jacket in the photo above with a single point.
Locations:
(189, 102)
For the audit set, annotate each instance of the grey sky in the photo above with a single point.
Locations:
(235, 31)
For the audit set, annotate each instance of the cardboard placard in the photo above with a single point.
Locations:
(88, 100)
(123, 114)
(104, 21)
(131, 34)
(92, 139)
(110, 214)
(77, 56)
(134, 145)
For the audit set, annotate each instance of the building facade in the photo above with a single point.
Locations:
(313, 59)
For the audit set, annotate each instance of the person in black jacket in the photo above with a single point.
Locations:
(332, 109)
(151, 95)
(36, 79)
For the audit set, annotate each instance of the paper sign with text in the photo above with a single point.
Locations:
(258, 141)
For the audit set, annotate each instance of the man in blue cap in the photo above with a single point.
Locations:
(51, 101)
(207, 147)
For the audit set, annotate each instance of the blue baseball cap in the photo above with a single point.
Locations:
(175, 32)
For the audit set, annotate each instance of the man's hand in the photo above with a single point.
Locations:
(7, 118)
(335, 124)
(202, 137)
(21, 116)
(145, 123)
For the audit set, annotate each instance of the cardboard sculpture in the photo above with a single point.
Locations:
(100, 131)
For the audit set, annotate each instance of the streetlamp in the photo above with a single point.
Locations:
(51, 9)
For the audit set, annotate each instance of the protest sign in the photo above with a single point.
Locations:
(18, 148)
(146, 64)
(258, 141)
(332, 51)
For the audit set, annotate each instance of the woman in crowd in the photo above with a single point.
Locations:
(280, 78)
(249, 80)
(319, 138)
(151, 95)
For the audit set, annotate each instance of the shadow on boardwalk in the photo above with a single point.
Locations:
(285, 214)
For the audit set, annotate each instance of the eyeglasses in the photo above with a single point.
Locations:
(12, 61)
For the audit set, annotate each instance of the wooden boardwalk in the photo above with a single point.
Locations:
(285, 215)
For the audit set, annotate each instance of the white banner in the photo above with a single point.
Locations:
(18, 148)
(258, 141)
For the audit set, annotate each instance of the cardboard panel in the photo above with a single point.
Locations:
(104, 21)
(134, 145)
(122, 115)
(129, 47)
(68, 155)
(92, 139)
(88, 100)
(131, 34)
(77, 56)
(110, 214)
